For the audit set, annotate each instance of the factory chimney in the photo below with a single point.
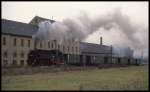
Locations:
(101, 41)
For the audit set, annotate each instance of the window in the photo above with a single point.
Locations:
(72, 49)
(14, 41)
(48, 44)
(4, 40)
(105, 60)
(22, 54)
(94, 57)
(63, 48)
(40, 45)
(58, 47)
(28, 43)
(15, 54)
(5, 62)
(68, 48)
(52, 45)
(22, 62)
(76, 49)
(118, 60)
(128, 61)
(14, 62)
(5, 54)
(22, 42)
(55, 44)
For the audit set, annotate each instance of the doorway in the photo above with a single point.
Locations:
(88, 60)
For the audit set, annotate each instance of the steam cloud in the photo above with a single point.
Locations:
(83, 26)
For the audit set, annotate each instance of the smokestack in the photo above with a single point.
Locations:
(101, 41)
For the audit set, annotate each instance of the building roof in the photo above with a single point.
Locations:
(22, 29)
(94, 48)
(18, 28)
(36, 20)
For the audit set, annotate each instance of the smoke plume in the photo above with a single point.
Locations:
(81, 27)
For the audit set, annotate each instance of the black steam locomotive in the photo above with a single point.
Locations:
(45, 57)
(39, 57)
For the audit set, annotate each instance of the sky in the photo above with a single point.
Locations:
(25, 11)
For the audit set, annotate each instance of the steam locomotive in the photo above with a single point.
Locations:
(45, 57)
(55, 57)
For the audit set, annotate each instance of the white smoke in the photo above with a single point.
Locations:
(83, 26)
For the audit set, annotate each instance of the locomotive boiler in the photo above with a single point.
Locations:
(45, 57)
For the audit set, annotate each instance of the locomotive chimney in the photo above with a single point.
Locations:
(101, 41)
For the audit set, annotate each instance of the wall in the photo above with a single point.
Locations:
(18, 49)
(11, 49)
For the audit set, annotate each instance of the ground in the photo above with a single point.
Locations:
(123, 78)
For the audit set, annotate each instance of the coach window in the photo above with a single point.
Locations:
(14, 41)
(22, 42)
(4, 40)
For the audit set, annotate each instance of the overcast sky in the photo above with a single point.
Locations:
(25, 11)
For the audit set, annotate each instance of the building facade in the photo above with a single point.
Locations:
(17, 41)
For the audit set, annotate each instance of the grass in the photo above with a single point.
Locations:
(125, 78)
